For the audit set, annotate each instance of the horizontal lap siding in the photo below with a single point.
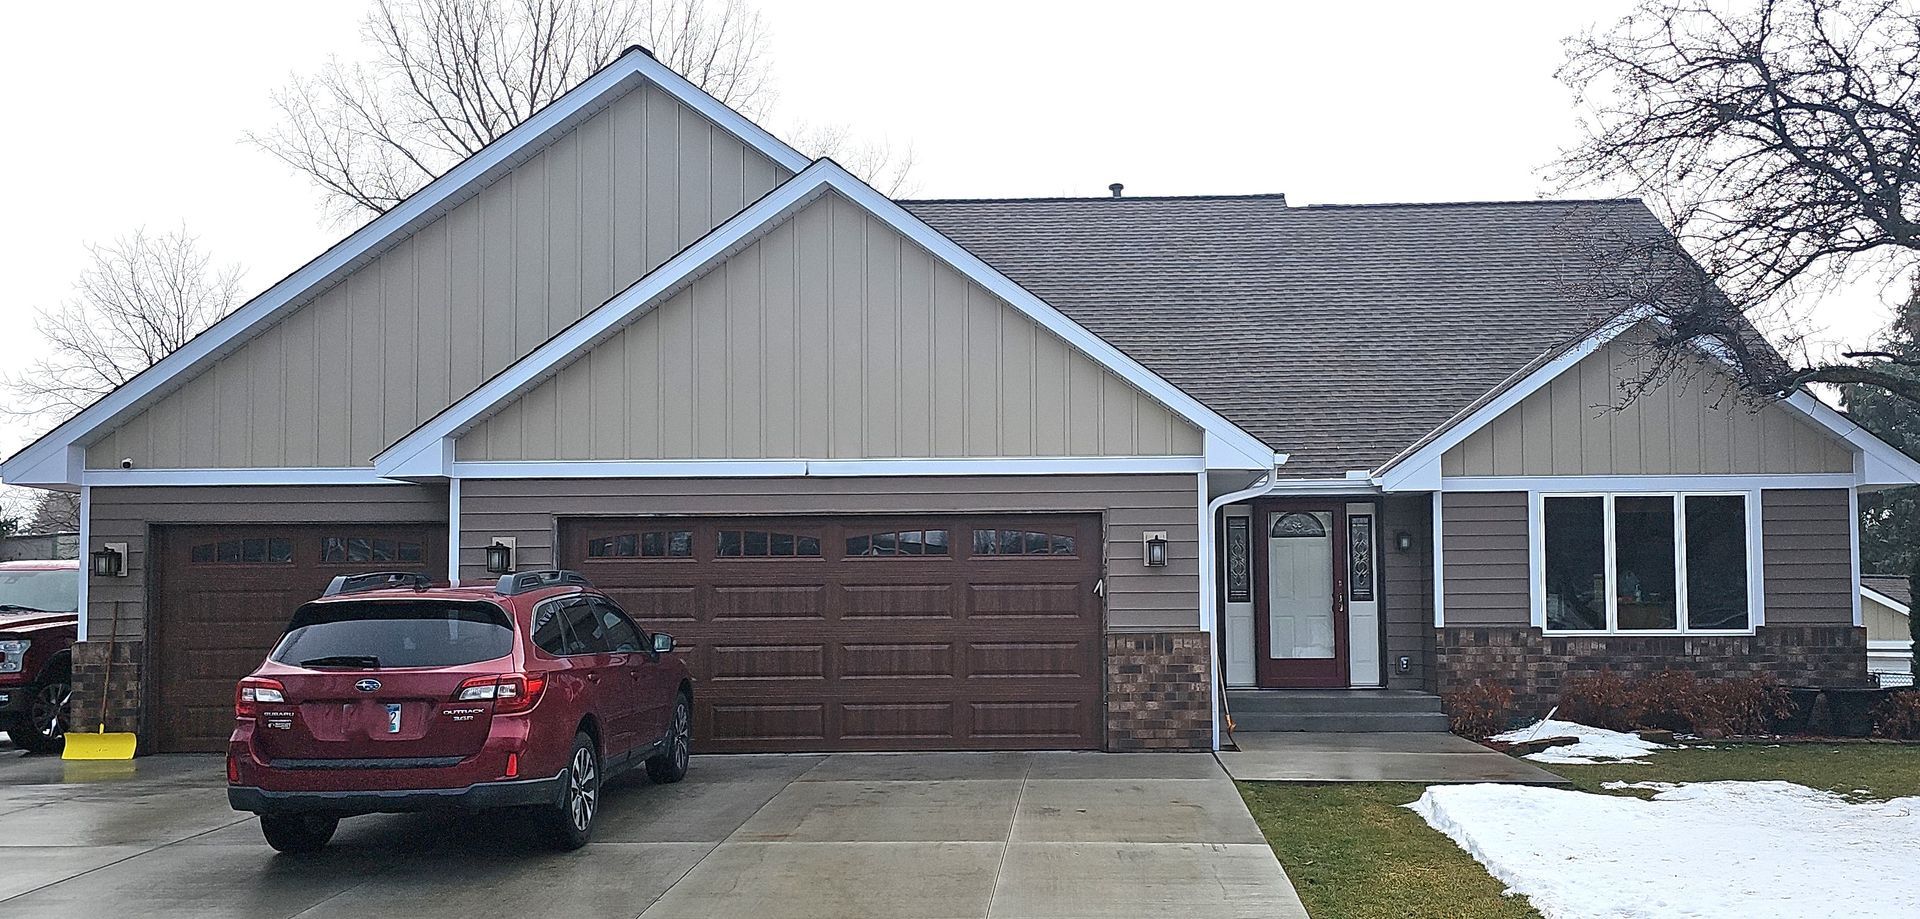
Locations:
(1485, 558)
(126, 514)
(1407, 588)
(1138, 598)
(1807, 543)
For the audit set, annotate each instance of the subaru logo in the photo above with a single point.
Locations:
(367, 685)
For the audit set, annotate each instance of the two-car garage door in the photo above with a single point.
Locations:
(865, 633)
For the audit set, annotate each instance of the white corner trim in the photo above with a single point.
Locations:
(795, 468)
(1853, 553)
(1439, 566)
(1228, 447)
(248, 476)
(453, 531)
(30, 465)
(1536, 560)
(1885, 600)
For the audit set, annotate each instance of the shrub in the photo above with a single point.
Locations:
(1898, 716)
(1671, 700)
(1478, 711)
(1603, 700)
(1752, 705)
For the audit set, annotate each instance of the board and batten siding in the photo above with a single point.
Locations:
(128, 515)
(1805, 556)
(1406, 590)
(1484, 558)
(1806, 551)
(1691, 424)
(1884, 623)
(444, 309)
(1138, 597)
(832, 337)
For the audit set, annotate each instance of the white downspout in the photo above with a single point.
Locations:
(1209, 611)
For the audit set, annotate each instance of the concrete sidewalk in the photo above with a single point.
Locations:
(938, 836)
(1381, 757)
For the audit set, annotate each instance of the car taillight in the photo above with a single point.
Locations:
(513, 692)
(253, 691)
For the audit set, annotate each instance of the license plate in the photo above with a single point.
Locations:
(393, 719)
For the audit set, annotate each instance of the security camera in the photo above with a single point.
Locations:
(127, 463)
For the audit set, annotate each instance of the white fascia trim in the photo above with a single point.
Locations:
(1880, 463)
(28, 467)
(1311, 487)
(1419, 469)
(720, 469)
(1228, 447)
(1649, 483)
(1885, 600)
(1890, 644)
(288, 476)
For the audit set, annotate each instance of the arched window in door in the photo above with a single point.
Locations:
(1297, 525)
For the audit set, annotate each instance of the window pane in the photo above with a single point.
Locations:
(280, 550)
(409, 552)
(859, 545)
(729, 544)
(1643, 555)
(936, 542)
(782, 544)
(756, 542)
(1576, 563)
(203, 553)
(809, 546)
(680, 543)
(1716, 562)
(984, 542)
(253, 550)
(230, 550)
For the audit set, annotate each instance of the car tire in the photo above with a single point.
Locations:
(44, 728)
(670, 765)
(570, 823)
(298, 834)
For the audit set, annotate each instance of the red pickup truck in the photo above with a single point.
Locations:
(39, 621)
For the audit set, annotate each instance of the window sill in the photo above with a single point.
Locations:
(1652, 633)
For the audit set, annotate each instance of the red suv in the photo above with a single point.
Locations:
(38, 621)
(388, 695)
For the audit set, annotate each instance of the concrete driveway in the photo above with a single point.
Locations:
(758, 837)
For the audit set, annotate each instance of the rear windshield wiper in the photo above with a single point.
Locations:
(18, 608)
(367, 661)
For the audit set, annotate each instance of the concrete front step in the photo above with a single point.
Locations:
(1339, 722)
(1338, 701)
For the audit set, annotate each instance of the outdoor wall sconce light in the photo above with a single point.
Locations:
(1154, 548)
(1403, 541)
(500, 554)
(110, 561)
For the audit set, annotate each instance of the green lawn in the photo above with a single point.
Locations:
(1354, 853)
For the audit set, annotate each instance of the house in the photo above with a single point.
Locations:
(1886, 607)
(957, 474)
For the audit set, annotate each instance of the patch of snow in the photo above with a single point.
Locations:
(1706, 850)
(1596, 746)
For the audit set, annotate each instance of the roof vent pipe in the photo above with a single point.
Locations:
(1116, 188)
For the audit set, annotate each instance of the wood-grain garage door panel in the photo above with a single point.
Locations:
(224, 594)
(949, 633)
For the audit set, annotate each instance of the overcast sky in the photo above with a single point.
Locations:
(129, 114)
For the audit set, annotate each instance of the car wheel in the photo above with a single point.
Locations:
(298, 834)
(572, 822)
(671, 764)
(45, 728)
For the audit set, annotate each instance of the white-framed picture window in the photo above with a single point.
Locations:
(1645, 563)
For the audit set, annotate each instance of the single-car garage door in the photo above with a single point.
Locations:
(866, 633)
(224, 594)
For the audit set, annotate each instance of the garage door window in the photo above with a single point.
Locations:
(766, 544)
(900, 542)
(243, 552)
(1020, 542)
(346, 549)
(655, 544)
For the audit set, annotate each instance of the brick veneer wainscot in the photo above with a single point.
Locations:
(1534, 665)
(1158, 692)
(123, 697)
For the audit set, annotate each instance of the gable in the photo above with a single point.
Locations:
(1690, 424)
(424, 322)
(831, 336)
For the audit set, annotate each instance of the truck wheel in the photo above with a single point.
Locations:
(670, 765)
(298, 834)
(45, 727)
(570, 823)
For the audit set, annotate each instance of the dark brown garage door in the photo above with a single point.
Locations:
(224, 594)
(927, 633)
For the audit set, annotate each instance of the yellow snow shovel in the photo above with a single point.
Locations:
(100, 744)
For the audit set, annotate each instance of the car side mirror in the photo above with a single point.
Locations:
(662, 643)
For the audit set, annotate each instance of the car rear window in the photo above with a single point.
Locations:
(395, 633)
(39, 591)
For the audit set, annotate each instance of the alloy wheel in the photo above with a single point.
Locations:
(682, 734)
(583, 789)
(47, 711)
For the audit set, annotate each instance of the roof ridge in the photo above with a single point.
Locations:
(1509, 202)
(1273, 195)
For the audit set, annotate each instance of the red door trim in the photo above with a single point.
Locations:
(1327, 673)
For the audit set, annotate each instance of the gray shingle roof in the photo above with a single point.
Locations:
(1891, 586)
(1338, 334)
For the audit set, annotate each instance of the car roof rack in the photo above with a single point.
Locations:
(513, 585)
(376, 580)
